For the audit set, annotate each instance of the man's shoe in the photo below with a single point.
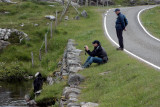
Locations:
(119, 49)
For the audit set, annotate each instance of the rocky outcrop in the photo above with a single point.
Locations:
(8, 36)
(8, 1)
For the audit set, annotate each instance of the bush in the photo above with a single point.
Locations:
(12, 72)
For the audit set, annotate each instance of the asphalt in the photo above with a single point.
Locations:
(136, 40)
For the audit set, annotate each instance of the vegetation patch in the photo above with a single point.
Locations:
(150, 20)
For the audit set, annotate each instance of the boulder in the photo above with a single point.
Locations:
(75, 79)
(51, 17)
(84, 13)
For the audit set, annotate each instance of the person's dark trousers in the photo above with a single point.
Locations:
(120, 37)
(91, 60)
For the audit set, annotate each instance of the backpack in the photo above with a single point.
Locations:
(125, 21)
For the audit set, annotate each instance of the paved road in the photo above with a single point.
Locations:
(135, 38)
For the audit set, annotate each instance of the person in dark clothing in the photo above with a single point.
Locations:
(121, 24)
(38, 82)
(98, 55)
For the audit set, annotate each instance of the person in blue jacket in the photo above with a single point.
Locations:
(121, 24)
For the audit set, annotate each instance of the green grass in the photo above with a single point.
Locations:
(130, 82)
(30, 13)
(150, 19)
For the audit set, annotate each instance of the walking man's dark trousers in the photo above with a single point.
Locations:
(120, 26)
(120, 37)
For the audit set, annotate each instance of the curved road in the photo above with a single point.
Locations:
(136, 40)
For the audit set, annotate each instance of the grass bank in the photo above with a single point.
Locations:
(150, 20)
(129, 82)
(15, 60)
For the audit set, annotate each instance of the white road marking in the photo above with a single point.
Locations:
(105, 27)
(139, 21)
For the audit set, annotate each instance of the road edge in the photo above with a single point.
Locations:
(139, 21)
(132, 54)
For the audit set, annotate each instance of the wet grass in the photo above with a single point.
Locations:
(150, 19)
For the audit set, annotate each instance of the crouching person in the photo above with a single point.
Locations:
(98, 55)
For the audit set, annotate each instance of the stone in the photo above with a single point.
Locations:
(89, 104)
(36, 25)
(73, 99)
(73, 95)
(68, 90)
(51, 17)
(77, 18)
(75, 79)
(84, 13)
(3, 44)
(74, 69)
(73, 62)
(50, 80)
(73, 105)
(66, 18)
(51, 5)
(8, 1)
(6, 33)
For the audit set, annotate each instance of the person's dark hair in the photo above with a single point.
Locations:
(96, 41)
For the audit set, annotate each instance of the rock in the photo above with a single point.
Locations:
(66, 18)
(68, 90)
(73, 95)
(22, 25)
(8, 1)
(5, 34)
(51, 17)
(77, 18)
(36, 25)
(3, 44)
(89, 104)
(73, 105)
(75, 79)
(84, 13)
(73, 99)
(51, 5)
(74, 69)
(31, 103)
(50, 80)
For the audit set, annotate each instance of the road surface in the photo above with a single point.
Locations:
(136, 40)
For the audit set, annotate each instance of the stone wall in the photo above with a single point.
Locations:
(70, 66)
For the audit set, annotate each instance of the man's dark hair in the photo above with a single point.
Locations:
(96, 41)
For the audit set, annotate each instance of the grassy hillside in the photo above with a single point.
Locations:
(150, 19)
(16, 59)
(128, 83)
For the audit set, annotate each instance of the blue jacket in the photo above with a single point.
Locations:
(120, 23)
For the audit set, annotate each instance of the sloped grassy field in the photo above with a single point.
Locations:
(150, 19)
(15, 60)
(129, 82)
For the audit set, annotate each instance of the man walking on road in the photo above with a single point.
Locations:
(121, 24)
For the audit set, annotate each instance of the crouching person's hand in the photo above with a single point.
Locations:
(86, 48)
